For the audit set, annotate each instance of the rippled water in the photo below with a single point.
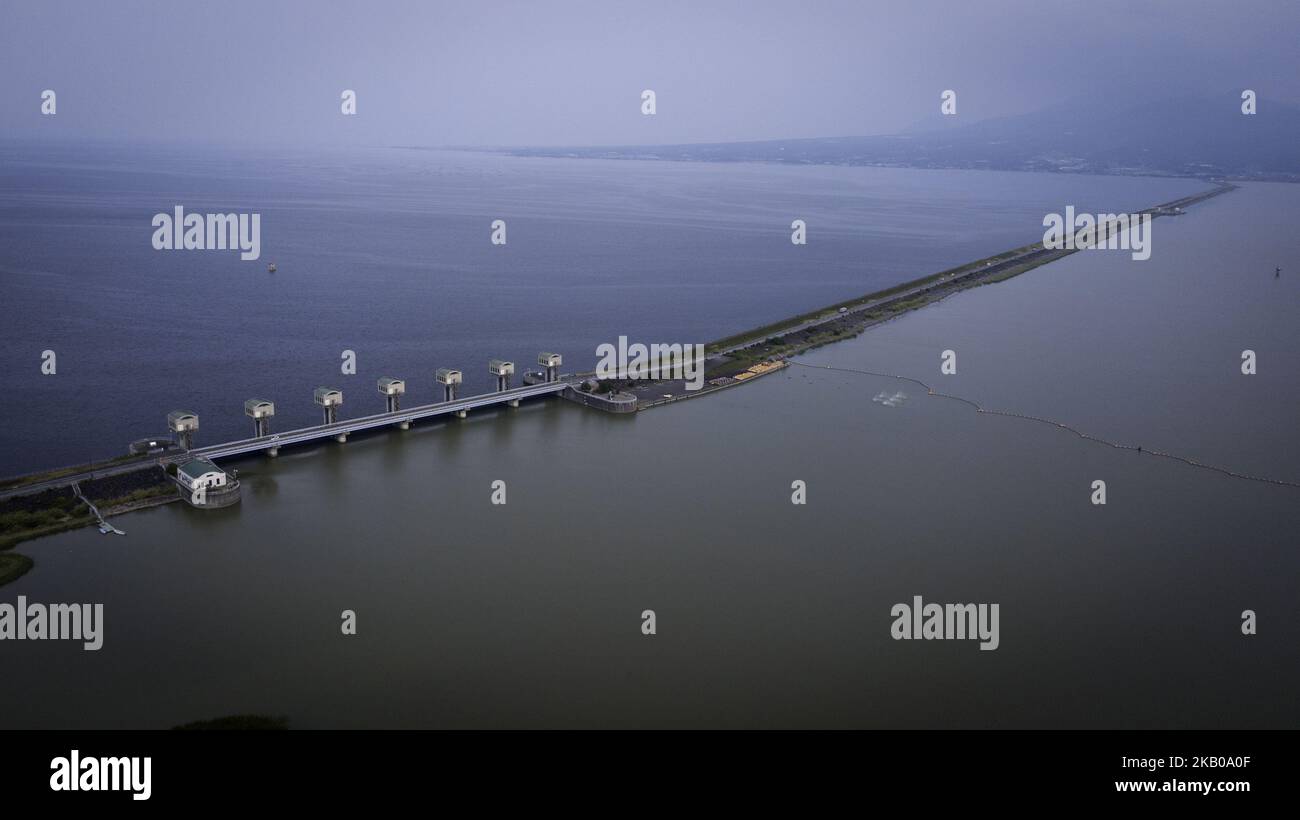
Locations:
(768, 614)
(387, 253)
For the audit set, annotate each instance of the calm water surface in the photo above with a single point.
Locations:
(769, 614)
(387, 253)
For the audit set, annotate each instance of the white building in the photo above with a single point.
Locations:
(200, 473)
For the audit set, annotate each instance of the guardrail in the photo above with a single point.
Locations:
(306, 434)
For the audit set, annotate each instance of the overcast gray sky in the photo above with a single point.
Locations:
(571, 73)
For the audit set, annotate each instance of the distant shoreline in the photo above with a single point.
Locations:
(673, 153)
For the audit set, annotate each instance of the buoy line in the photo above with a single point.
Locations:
(1086, 436)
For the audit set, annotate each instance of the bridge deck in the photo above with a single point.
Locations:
(306, 434)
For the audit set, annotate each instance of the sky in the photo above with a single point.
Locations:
(539, 73)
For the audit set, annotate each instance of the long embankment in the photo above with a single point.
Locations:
(43, 503)
(776, 341)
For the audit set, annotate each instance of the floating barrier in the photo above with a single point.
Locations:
(1191, 462)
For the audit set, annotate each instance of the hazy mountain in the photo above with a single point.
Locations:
(1193, 136)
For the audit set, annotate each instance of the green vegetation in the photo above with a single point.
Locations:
(47, 512)
(773, 330)
(36, 478)
(733, 365)
(41, 514)
(12, 533)
(763, 344)
(604, 386)
(143, 494)
(239, 723)
(13, 566)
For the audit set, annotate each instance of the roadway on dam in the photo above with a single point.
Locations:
(347, 426)
(294, 437)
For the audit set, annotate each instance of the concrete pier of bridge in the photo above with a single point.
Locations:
(392, 390)
(450, 380)
(330, 399)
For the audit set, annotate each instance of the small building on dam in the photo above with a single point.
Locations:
(205, 485)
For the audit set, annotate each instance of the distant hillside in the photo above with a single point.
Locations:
(1198, 137)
